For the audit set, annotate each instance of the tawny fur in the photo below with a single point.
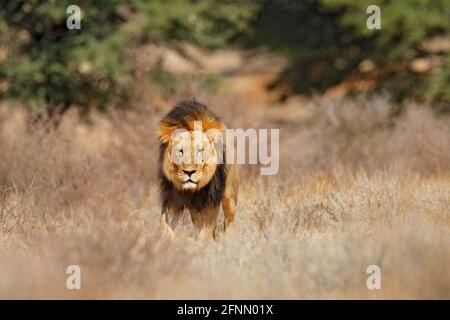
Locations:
(214, 184)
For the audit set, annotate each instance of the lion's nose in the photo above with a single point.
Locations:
(189, 172)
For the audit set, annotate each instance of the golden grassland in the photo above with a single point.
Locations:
(356, 187)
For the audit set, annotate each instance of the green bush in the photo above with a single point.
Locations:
(51, 68)
(405, 25)
(328, 39)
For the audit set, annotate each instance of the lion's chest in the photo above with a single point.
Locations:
(210, 196)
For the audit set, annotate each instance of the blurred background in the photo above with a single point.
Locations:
(312, 68)
(129, 53)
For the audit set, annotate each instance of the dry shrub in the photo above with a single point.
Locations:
(369, 134)
(290, 240)
(361, 188)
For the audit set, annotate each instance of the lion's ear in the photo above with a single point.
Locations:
(214, 135)
(165, 133)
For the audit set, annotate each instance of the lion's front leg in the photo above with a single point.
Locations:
(205, 221)
(170, 218)
(230, 197)
(228, 206)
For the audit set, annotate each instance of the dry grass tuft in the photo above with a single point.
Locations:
(361, 188)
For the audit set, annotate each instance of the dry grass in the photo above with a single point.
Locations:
(359, 189)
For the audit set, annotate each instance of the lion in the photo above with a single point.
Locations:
(191, 175)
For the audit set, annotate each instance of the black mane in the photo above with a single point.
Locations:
(188, 109)
(208, 196)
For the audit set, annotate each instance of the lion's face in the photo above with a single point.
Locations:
(190, 163)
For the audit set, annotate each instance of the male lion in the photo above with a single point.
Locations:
(191, 175)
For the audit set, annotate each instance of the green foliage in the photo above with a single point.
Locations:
(204, 22)
(327, 40)
(312, 37)
(51, 67)
(405, 24)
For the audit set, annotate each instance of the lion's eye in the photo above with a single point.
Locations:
(180, 152)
